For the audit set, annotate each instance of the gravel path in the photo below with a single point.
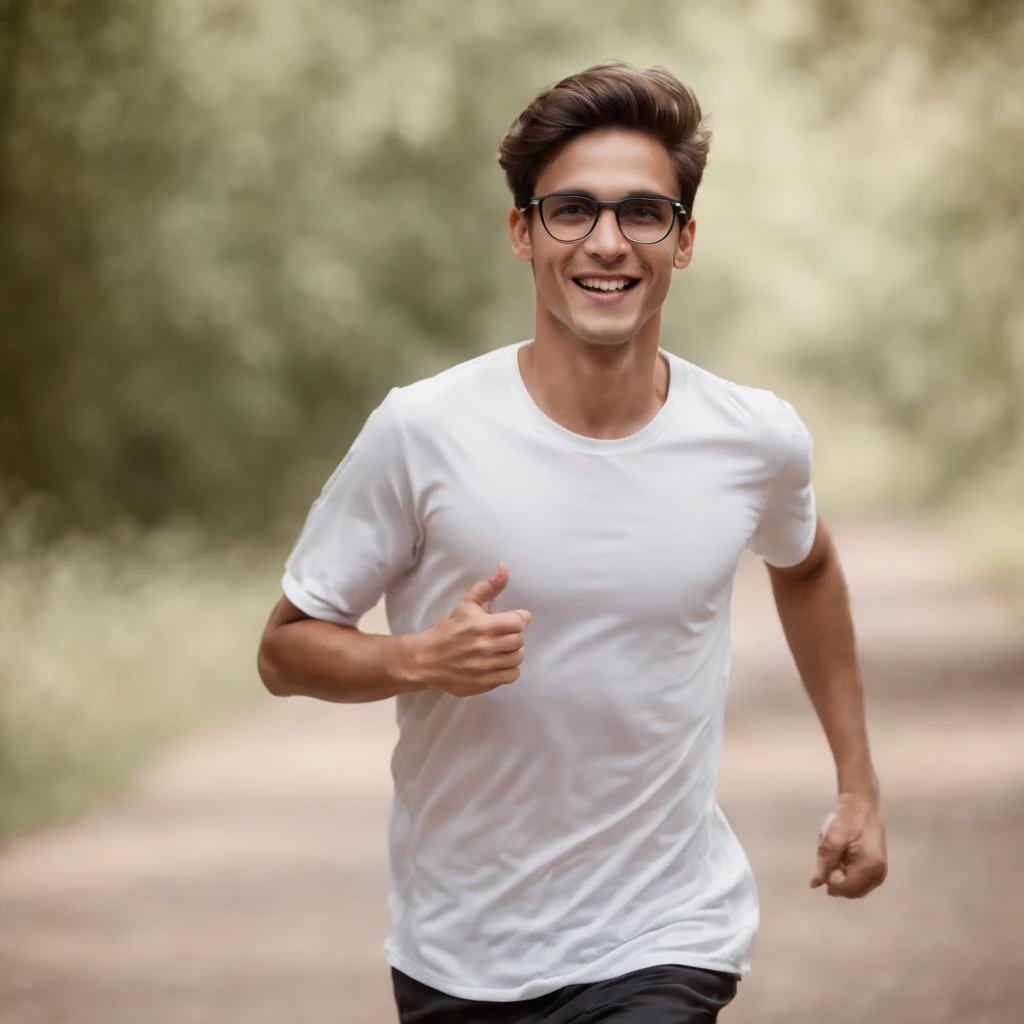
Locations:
(242, 878)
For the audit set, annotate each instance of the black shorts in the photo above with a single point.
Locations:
(654, 995)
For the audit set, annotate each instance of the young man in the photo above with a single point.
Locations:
(557, 853)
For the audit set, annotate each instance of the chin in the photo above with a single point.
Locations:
(598, 334)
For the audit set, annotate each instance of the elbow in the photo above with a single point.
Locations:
(269, 668)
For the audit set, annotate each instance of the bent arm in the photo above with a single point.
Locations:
(814, 607)
(301, 656)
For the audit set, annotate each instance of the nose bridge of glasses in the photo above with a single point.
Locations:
(608, 215)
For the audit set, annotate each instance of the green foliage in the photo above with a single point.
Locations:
(227, 228)
(929, 101)
(228, 233)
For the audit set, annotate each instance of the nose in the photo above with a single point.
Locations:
(606, 241)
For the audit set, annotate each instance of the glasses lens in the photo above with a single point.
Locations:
(646, 220)
(568, 218)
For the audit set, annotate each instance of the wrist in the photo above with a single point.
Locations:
(408, 668)
(862, 783)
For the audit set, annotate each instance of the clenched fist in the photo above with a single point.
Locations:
(852, 858)
(473, 650)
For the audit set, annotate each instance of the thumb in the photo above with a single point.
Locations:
(484, 592)
(831, 848)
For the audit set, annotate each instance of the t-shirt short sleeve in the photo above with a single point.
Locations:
(361, 533)
(785, 533)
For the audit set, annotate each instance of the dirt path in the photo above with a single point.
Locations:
(242, 880)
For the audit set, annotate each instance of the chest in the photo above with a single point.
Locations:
(658, 532)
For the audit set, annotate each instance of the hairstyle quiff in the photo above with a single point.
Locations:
(610, 95)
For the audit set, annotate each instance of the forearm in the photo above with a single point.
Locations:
(310, 658)
(815, 615)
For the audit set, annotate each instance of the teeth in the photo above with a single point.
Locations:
(604, 286)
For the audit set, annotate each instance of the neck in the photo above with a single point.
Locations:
(601, 391)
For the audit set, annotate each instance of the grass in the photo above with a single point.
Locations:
(106, 656)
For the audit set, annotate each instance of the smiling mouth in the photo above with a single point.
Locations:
(599, 285)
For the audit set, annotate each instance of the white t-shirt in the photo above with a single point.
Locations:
(563, 828)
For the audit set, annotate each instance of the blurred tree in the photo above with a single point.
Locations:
(84, 157)
(929, 99)
(226, 228)
(231, 227)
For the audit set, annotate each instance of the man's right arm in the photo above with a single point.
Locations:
(303, 656)
(469, 652)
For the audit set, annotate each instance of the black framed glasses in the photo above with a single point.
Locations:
(570, 217)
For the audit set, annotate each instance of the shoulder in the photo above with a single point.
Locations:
(760, 416)
(449, 396)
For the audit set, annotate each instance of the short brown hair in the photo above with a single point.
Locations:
(609, 95)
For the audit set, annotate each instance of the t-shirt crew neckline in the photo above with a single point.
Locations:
(594, 445)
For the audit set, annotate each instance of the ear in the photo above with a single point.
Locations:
(519, 235)
(684, 250)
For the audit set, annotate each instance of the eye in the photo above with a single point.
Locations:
(567, 208)
(647, 212)
(651, 210)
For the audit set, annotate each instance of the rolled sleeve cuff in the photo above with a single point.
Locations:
(315, 607)
(802, 550)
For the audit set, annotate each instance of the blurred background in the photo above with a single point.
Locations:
(227, 229)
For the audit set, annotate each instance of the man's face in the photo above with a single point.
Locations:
(608, 164)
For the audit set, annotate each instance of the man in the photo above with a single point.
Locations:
(557, 852)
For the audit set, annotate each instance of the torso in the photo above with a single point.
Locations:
(566, 826)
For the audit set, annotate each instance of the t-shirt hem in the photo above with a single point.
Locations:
(584, 976)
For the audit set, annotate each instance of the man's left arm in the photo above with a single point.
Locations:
(813, 604)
